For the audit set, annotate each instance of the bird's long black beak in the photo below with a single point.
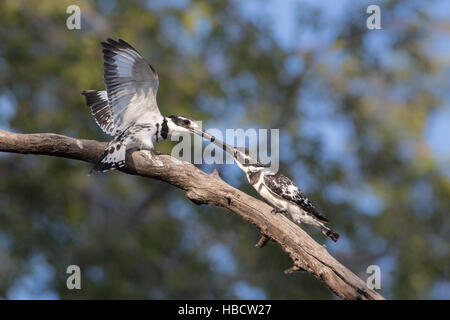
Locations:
(205, 135)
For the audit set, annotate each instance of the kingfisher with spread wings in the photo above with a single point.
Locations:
(127, 109)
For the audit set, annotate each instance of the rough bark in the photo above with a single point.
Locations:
(201, 188)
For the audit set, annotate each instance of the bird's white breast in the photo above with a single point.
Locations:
(268, 195)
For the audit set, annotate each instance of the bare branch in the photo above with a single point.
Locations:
(202, 188)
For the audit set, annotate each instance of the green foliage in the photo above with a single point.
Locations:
(139, 238)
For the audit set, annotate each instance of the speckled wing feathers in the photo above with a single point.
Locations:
(286, 188)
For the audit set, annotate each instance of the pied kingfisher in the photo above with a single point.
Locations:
(277, 189)
(127, 109)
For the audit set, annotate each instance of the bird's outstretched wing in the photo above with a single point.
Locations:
(286, 188)
(131, 84)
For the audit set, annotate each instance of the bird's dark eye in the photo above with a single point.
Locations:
(186, 122)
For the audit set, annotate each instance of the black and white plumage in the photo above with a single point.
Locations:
(278, 190)
(281, 192)
(286, 189)
(97, 100)
(127, 109)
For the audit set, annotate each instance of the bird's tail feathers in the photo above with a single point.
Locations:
(329, 233)
(112, 158)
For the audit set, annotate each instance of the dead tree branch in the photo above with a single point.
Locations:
(202, 188)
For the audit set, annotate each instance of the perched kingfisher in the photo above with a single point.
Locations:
(277, 189)
(127, 109)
